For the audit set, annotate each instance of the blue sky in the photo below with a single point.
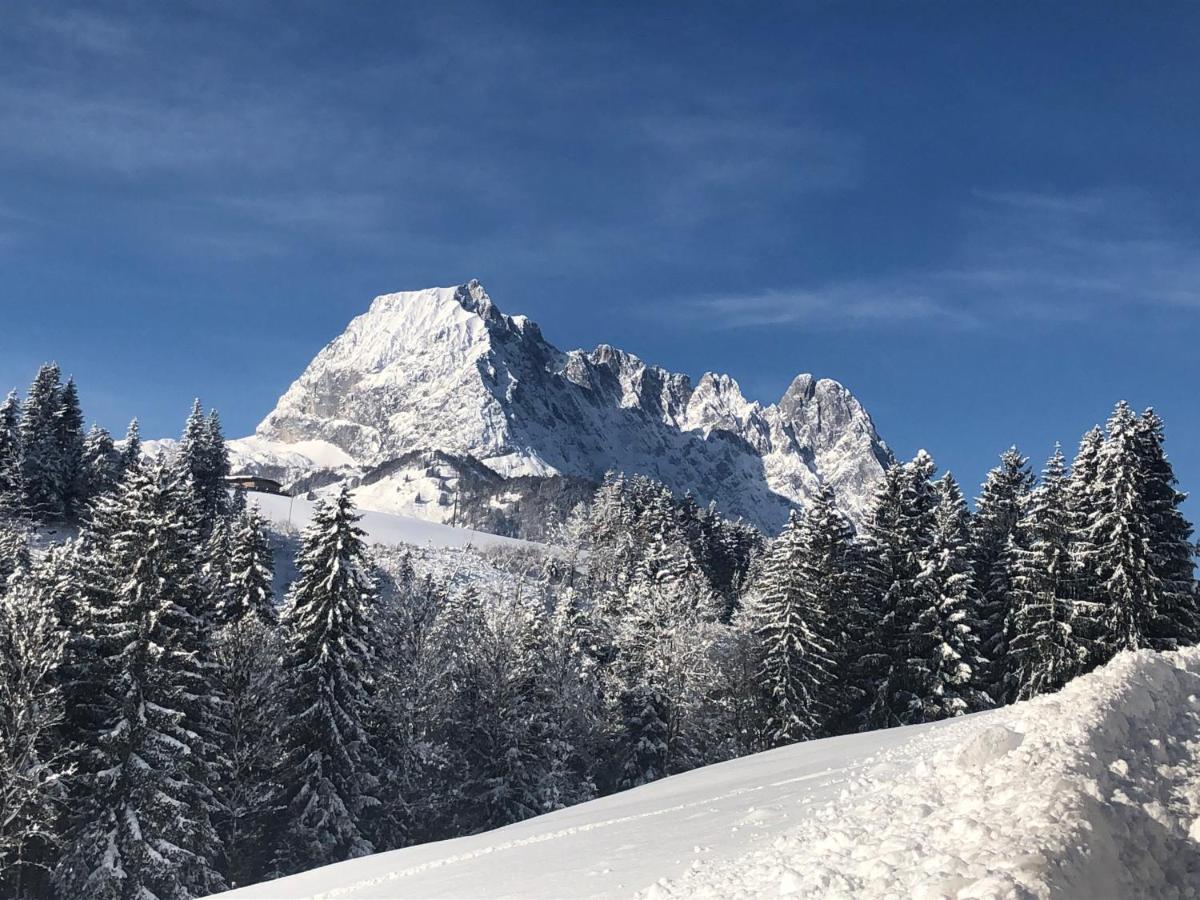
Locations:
(982, 218)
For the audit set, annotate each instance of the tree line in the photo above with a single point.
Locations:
(169, 727)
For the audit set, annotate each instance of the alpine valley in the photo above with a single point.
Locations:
(436, 404)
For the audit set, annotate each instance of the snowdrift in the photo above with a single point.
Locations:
(1092, 792)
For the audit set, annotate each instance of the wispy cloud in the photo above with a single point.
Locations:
(1022, 256)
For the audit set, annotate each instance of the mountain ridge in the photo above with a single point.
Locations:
(444, 369)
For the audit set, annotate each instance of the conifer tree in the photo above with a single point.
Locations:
(1119, 534)
(14, 550)
(42, 464)
(795, 650)
(1051, 628)
(215, 499)
(892, 675)
(33, 761)
(999, 507)
(251, 572)
(69, 438)
(1176, 618)
(946, 634)
(327, 770)
(143, 824)
(11, 487)
(131, 451)
(1081, 500)
(100, 465)
(661, 675)
(247, 654)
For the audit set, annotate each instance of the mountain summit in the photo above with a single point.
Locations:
(444, 370)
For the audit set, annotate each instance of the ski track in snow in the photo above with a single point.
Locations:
(548, 836)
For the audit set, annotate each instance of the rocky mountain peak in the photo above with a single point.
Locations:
(445, 370)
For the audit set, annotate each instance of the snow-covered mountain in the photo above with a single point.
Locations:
(444, 370)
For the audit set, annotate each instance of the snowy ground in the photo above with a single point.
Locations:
(293, 513)
(1093, 792)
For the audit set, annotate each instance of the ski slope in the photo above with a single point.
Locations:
(388, 528)
(1092, 792)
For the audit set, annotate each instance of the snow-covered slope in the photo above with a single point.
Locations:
(1093, 792)
(443, 369)
(294, 513)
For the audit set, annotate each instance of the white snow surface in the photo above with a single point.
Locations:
(443, 369)
(294, 514)
(1092, 792)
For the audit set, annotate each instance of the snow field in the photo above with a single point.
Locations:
(1090, 793)
(294, 513)
(1093, 792)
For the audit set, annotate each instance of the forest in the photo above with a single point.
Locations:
(171, 727)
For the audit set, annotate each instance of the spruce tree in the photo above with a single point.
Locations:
(1081, 499)
(14, 550)
(796, 658)
(247, 653)
(1176, 619)
(892, 675)
(131, 450)
(42, 464)
(662, 674)
(143, 824)
(327, 770)
(33, 759)
(1119, 536)
(11, 488)
(69, 439)
(1051, 631)
(101, 465)
(215, 499)
(1000, 506)
(946, 634)
(251, 572)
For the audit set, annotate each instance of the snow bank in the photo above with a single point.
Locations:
(1092, 792)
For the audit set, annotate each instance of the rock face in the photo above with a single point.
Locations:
(443, 369)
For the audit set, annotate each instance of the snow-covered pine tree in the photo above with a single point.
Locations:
(946, 629)
(203, 456)
(143, 812)
(883, 557)
(131, 450)
(69, 439)
(796, 637)
(41, 455)
(247, 654)
(1176, 618)
(893, 676)
(101, 465)
(14, 550)
(516, 761)
(33, 761)
(832, 578)
(1081, 497)
(12, 492)
(251, 572)
(215, 499)
(1051, 629)
(409, 664)
(1119, 538)
(662, 674)
(1000, 506)
(327, 770)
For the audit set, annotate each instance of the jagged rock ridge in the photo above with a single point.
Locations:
(443, 369)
